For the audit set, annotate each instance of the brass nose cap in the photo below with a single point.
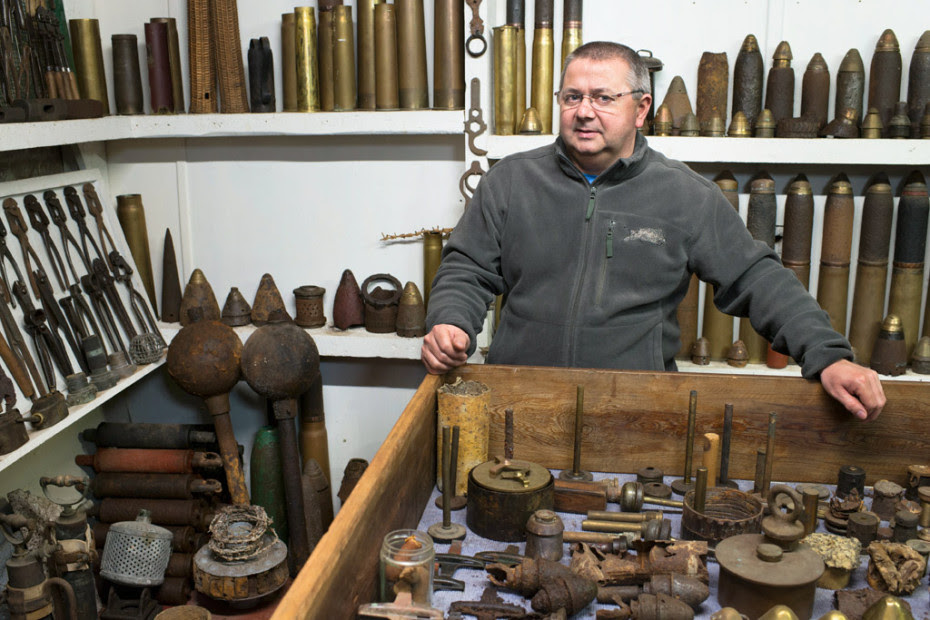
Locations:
(530, 123)
(690, 125)
(783, 53)
(800, 186)
(726, 181)
(739, 126)
(750, 44)
(817, 63)
(411, 295)
(923, 43)
(887, 608)
(892, 324)
(887, 42)
(852, 62)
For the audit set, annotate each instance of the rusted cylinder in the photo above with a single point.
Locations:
(180, 565)
(908, 268)
(139, 435)
(918, 83)
(541, 76)
(365, 43)
(760, 220)
(687, 315)
(779, 88)
(799, 225)
(345, 94)
(267, 480)
(386, 95)
(713, 80)
(159, 70)
(174, 62)
(127, 83)
(191, 512)
(155, 486)
(885, 78)
(718, 327)
(836, 249)
(505, 118)
(747, 80)
(449, 55)
(142, 460)
(815, 91)
(872, 270)
(173, 591)
(850, 84)
(411, 56)
(288, 61)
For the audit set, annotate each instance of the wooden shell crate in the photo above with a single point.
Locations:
(632, 419)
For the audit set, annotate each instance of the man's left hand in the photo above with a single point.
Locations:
(857, 388)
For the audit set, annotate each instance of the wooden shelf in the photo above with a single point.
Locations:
(16, 136)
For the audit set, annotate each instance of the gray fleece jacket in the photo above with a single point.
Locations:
(593, 274)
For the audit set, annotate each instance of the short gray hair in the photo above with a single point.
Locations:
(638, 77)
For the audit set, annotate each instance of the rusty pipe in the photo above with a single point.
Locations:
(144, 460)
(156, 486)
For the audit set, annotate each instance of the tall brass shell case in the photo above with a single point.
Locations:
(308, 84)
(88, 60)
(836, 248)
(174, 62)
(760, 220)
(713, 80)
(516, 17)
(200, 58)
(907, 272)
(885, 80)
(432, 254)
(344, 85)
(449, 55)
(850, 84)
(324, 52)
(872, 270)
(365, 43)
(718, 327)
(504, 73)
(918, 83)
(748, 74)
(779, 88)
(687, 315)
(411, 56)
(571, 28)
(541, 76)
(131, 215)
(815, 91)
(288, 61)
(386, 96)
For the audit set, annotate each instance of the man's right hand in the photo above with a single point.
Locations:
(444, 348)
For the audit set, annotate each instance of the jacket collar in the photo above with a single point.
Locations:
(623, 168)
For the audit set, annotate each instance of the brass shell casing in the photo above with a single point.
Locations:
(449, 55)
(411, 313)
(918, 83)
(677, 102)
(718, 327)
(713, 80)
(904, 299)
(910, 246)
(386, 93)
(519, 76)
(815, 91)
(779, 88)
(541, 77)
(365, 41)
(571, 40)
(850, 84)
(504, 73)
(832, 291)
(687, 315)
(411, 56)
(88, 60)
(899, 127)
(308, 79)
(345, 96)
(131, 215)
(748, 73)
(432, 254)
(174, 62)
(799, 224)
(885, 77)
(324, 53)
(739, 126)
(288, 61)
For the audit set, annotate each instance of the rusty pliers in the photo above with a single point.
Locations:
(7, 255)
(40, 222)
(20, 230)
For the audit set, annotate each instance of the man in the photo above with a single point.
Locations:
(593, 240)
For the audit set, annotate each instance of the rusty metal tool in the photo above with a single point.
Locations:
(12, 423)
(48, 345)
(7, 255)
(105, 281)
(402, 607)
(20, 230)
(446, 531)
(576, 473)
(96, 210)
(476, 30)
(684, 484)
(123, 273)
(458, 502)
(148, 460)
(40, 222)
(58, 320)
(98, 301)
(490, 607)
(769, 454)
(18, 367)
(76, 209)
(474, 123)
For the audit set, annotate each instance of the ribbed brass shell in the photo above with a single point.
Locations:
(411, 56)
(662, 124)
(308, 83)
(765, 125)
(386, 94)
(411, 313)
(88, 60)
(288, 61)
(713, 128)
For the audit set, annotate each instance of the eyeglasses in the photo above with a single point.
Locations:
(600, 101)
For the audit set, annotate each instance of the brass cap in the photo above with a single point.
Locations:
(782, 55)
(923, 43)
(765, 121)
(817, 63)
(726, 181)
(841, 186)
(662, 123)
(530, 123)
(872, 124)
(779, 612)
(887, 42)
(727, 613)
(690, 126)
(713, 127)
(739, 126)
(852, 62)
(800, 186)
(887, 608)
(750, 44)
(892, 324)
(762, 185)
(879, 187)
(411, 295)
(834, 615)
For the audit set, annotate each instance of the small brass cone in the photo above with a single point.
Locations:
(411, 313)
(690, 126)
(888, 42)
(920, 360)
(779, 612)
(817, 63)
(887, 608)
(834, 615)
(727, 613)
(892, 324)
(530, 123)
(268, 306)
(872, 125)
(782, 55)
(800, 186)
(713, 127)
(662, 124)
(739, 126)
(765, 124)
(750, 44)
(236, 310)
(852, 62)
(900, 124)
(199, 294)
(923, 43)
(841, 185)
(925, 122)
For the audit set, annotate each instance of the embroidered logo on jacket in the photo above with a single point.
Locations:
(652, 236)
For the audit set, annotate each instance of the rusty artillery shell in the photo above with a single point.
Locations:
(411, 56)
(571, 593)
(799, 224)
(170, 283)
(677, 102)
(718, 327)
(348, 308)
(365, 43)
(145, 460)
(386, 93)
(739, 126)
(850, 84)
(127, 82)
(324, 52)
(449, 55)
(907, 270)
(312, 436)
(411, 314)
(885, 77)
(350, 477)
(918, 83)
(541, 74)
(150, 485)
(899, 127)
(288, 61)
(268, 306)
(236, 311)
(345, 96)
(191, 512)
(198, 295)
(760, 220)
(747, 80)
(308, 76)
(713, 78)
(833, 283)
(889, 353)
(815, 91)
(872, 269)
(779, 88)
(159, 436)
(845, 125)
(504, 79)
(88, 60)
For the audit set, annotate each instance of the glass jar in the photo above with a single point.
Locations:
(407, 558)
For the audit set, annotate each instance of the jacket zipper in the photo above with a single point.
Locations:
(579, 281)
(610, 242)
(590, 211)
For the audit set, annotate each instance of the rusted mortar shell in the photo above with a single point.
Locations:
(268, 306)
(199, 294)
(348, 307)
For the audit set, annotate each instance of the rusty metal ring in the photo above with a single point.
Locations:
(382, 303)
(481, 50)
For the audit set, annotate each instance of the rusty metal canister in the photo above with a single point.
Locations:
(885, 77)
(871, 270)
(88, 61)
(449, 55)
(348, 307)
(141, 460)
(266, 479)
(713, 80)
(908, 267)
(411, 55)
(889, 352)
(748, 72)
(139, 435)
(464, 404)
(381, 304)
(541, 74)
(154, 486)
(836, 249)
(718, 327)
(917, 476)
(174, 61)
(677, 102)
(885, 494)
(499, 505)
(850, 84)
(288, 61)
(505, 118)
(815, 91)
(863, 526)
(173, 591)
(727, 512)
(127, 81)
(544, 531)
(918, 83)
(159, 69)
(191, 512)
(779, 88)
(799, 225)
(386, 95)
(309, 300)
(760, 220)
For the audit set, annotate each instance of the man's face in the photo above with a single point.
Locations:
(595, 139)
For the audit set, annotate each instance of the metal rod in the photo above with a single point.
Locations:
(769, 454)
(760, 471)
(689, 447)
(579, 416)
(623, 517)
(700, 490)
(447, 491)
(508, 433)
(725, 444)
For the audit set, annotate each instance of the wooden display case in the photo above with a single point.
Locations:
(632, 419)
